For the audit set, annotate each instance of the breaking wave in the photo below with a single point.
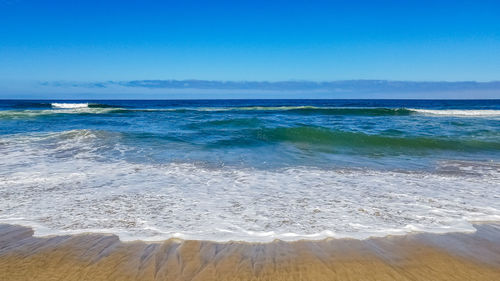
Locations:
(459, 112)
(69, 105)
(35, 109)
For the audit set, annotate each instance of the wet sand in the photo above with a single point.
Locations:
(453, 256)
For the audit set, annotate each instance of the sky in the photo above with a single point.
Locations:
(47, 45)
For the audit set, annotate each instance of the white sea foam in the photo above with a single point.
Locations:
(63, 188)
(21, 114)
(69, 105)
(458, 112)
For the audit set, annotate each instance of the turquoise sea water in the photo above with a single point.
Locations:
(249, 169)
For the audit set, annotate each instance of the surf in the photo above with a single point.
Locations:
(225, 204)
(458, 112)
(69, 105)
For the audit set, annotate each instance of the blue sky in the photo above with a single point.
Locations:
(93, 41)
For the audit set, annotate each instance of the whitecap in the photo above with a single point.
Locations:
(69, 105)
(458, 112)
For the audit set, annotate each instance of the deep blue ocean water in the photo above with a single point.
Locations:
(250, 169)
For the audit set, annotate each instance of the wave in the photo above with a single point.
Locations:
(320, 138)
(21, 114)
(458, 112)
(57, 105)
(247, 133)
(69, 105)
(356, 111)
(59, 109)
(361, 111)
(80, 105)
(299, 110)
(285, 109)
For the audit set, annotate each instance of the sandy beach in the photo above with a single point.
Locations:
(423, 256)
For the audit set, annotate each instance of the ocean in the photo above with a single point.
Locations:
(249, 170)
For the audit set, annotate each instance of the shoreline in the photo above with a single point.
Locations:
(44, 232)
(416, 256)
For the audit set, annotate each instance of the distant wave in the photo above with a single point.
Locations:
(69, 105)
(35, 109)
(332, 110)
(22, 114)
(458, 112)
(360, 111)
(58, 105)
(79, 105)
(301, 110)
(308, 110)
